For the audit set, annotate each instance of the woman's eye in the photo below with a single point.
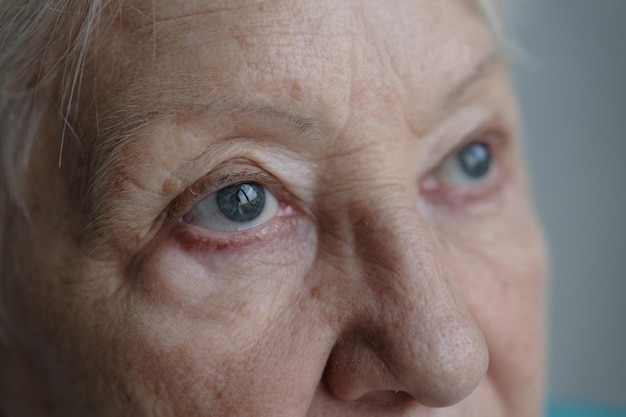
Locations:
(237, 207)
(467, 166)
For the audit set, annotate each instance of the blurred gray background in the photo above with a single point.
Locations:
(572, 88)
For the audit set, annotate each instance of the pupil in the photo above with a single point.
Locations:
(241, 202)
(475, 160)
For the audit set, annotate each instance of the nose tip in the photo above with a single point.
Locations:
(435, 371)
(456, 361)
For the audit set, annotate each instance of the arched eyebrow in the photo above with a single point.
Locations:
(293, 120)
(461, 89)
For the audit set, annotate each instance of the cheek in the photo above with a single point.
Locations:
(499, 267)
(222, 284)
(210, 327)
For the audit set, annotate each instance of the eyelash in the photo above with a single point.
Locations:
(440, 194)
(191, 236)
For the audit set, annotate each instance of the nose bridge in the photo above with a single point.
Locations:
(395, 249)
(409, 331)
(401, 268)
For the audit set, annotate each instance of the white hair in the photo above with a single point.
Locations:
(43, 46)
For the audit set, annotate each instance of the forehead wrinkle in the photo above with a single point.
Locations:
(146, 13)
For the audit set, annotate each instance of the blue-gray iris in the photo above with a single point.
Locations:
(241, 202)
(475, 160)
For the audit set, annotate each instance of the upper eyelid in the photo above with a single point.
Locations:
(488, 113)
(491, 136)
(494, 138)
(210, 184)
(492, 127)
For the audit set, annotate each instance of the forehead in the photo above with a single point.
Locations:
(323, 55)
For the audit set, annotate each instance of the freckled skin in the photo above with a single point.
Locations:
(367, 298)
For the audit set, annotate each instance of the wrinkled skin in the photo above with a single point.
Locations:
(379, 286)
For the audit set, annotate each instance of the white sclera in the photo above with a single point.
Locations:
(206, 214)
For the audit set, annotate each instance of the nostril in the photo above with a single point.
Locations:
(386, 399)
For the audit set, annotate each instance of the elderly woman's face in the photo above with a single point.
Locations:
(312, 208)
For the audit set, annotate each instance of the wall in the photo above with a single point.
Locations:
(572, 87)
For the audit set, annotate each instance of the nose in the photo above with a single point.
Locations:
(406, 335)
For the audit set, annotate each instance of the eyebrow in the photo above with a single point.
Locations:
(460, 90)
(294, 120)
(105, 159)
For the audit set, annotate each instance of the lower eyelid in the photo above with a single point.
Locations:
(192, 238)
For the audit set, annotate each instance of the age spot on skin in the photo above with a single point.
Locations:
(169, 186)
(315, 293)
